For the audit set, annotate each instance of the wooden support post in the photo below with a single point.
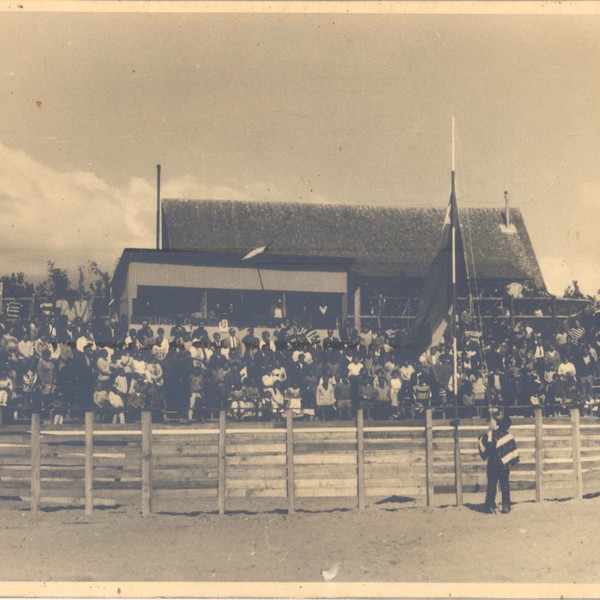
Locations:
(36, 461)
(512, 312)
(457, 466)
(429, 456)
(146, 462)
(576, 437)
(289, 418)
(539, 454)
(222, 456)
(360, 459)
(89, 462)
(357, 308)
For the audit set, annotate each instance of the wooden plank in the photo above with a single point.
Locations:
(326, 459)
(324, 471)
(396, 482)
(326, 493)
(395, 458)
(406, 491)
(255, 449)
(24, 459)
(35, 462)
(577, 475)
(290, 462)
(185, 449)
(89, 463)
(257, 484)
(15, 451)
(269, 460)
(326, 484)
(168, 462)
(23, 483)
(255, 438)
(360, 459)
(146, 462)
(429, 486)
(395, 446)
(185, 440)
(179, 495)
(196, 484)
(75, 501)
(329, 437)
(183, 474)
(325, 448)
(118, 485)
(256, 493)
(457, 467)
(416, 475)
(222, 489)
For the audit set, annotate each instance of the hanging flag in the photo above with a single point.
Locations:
(435, 309)
(257, 251)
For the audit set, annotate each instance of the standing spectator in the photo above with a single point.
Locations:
(326, 396)
(251, 343)
(576, 333)
(343, 397)
(500, 450)
(587, 370)
(46, 377)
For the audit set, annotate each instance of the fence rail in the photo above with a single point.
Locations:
(362, 462)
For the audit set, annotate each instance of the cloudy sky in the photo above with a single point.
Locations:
(311, 108)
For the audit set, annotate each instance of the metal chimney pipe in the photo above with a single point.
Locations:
(158, 211)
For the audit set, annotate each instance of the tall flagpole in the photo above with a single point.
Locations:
(453, 215)
(454, 312)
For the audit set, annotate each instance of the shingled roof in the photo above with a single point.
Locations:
(384, 241)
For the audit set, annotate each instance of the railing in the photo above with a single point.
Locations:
(360, 461)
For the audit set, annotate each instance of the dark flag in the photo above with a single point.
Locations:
(436, 306)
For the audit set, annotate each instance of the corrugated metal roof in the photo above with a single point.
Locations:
(383, 241)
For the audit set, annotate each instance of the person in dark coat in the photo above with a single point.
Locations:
(498, 446)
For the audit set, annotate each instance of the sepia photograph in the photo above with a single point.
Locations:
(299, 299)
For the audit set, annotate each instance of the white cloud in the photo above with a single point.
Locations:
(74, 216)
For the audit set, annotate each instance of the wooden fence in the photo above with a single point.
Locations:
(362, 462)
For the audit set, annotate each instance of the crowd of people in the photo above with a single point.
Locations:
(194, 371)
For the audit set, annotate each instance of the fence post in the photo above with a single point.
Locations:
(36, 461)
(539, 453)
(222, 455)
(89, 462)
(360, 458)
(289, 438)
(457, 466)
(429, 455)
(576, 437)
(146, 462)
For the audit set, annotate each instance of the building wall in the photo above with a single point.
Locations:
(232, 278)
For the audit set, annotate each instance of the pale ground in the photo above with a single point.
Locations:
(392, 541)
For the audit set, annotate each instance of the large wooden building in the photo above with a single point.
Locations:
(323, 262)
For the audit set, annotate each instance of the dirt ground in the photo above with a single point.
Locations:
(393, 541)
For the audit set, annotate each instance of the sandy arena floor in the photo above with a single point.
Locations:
(392, 541)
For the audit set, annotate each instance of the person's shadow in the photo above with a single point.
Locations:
(480, 508)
